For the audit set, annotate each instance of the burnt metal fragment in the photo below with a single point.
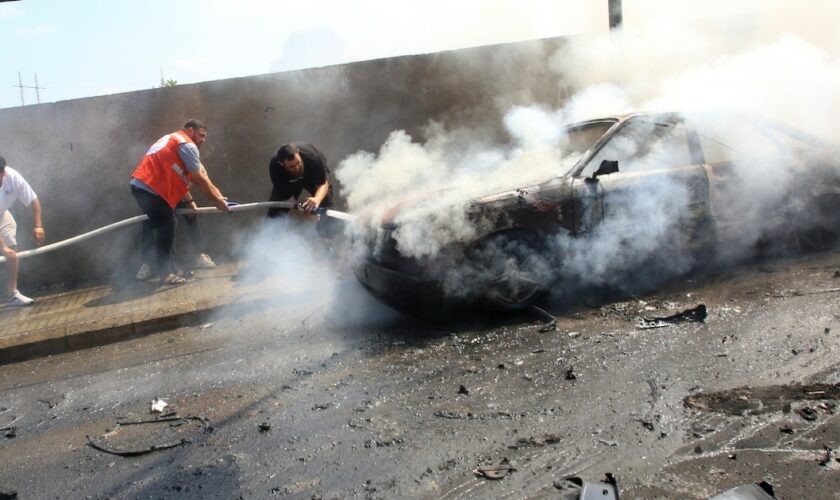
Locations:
(574, 488)
(829, 455)
(135, 453)
(756, 491)
(807, 413)
(696, 314)
(550, 321)
(494, 471)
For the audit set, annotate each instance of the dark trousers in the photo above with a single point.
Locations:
(193, 229)
(158, 231)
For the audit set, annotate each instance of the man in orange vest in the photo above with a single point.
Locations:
(159, 182)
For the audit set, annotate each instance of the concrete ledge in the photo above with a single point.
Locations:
(63, 339)
(86, 317)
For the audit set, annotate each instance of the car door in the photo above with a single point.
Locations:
(748, 176)
(657, 196)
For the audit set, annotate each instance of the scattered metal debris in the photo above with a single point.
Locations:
(807, 413)
(550, 323)
(535, 442)
(463, 390)
(574, 488)
(495, 471)
(135, 453)
(697, 314)
(829, 457)
(9, 432)
(157, 405)
(756, 491)
(264, 427)
(172, 418)
(570, 374)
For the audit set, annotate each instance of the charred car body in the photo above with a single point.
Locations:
(640, 196)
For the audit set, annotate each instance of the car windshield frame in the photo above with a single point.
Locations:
(570, 161)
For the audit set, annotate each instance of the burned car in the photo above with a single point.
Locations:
(642, 196)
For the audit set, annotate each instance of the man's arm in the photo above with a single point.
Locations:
(38, 227)
(202, 180)
(316, 199)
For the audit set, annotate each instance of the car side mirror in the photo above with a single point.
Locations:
(605, 168)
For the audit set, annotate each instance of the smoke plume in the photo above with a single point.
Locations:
(765, 60)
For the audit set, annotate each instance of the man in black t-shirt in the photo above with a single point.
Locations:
(296, 167)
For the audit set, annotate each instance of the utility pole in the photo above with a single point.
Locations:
(615, 14)
(37, 88)
(21, 86)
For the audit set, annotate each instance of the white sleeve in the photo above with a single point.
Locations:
(23, 191)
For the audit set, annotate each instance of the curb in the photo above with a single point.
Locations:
(62, 339)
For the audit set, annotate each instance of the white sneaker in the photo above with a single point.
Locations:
(18, 299)
(144, 273)
(204, 262)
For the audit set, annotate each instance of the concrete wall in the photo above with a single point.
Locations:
(79, 154)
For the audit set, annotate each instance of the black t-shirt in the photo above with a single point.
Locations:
(315, 173)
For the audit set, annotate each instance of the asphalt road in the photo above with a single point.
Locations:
(339, 398)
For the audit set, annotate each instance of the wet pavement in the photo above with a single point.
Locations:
(314, 399)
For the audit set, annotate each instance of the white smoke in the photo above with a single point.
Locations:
(757, 59)
(306, 271)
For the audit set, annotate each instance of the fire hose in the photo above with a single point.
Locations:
(234, 207)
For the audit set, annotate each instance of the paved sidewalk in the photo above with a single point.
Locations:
(62, 321)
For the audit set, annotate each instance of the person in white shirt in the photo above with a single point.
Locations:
(13, 187)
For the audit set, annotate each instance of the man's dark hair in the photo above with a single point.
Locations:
(287, 152)
(195, 123)
(2, 163)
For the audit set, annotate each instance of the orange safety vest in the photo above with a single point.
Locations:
(163, 170)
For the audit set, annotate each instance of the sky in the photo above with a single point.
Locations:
(97, 47)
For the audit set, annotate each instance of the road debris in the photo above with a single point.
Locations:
(495, 471)
(756, 491)
(570, 374)
(9, 432)
(135, 453)
(550, 321)
(157, 405)
(171, 418)
(264, 427)
(829, 458)
(574, 488)
(696, 314)
(463, 390)
(807, 413)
